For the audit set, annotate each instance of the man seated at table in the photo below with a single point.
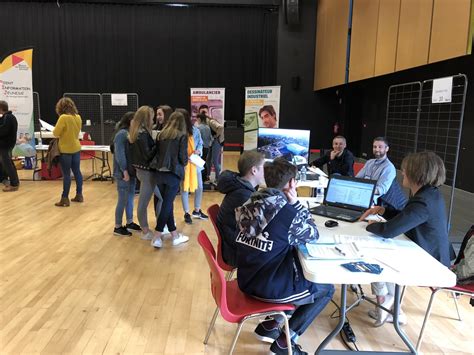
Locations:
(237, 188)
(272, 224)
(383, 171)
(339, 160)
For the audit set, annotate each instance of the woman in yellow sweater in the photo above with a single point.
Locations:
(67, 130)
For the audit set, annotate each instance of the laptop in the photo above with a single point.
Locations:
(346, 198)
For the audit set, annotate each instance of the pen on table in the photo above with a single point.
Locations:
(307, 202)
(340, 251)
(357, 249)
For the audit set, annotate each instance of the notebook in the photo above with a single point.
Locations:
(346, 198)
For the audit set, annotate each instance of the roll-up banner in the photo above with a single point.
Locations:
(262, 109)
(212, 98)
(16, 88)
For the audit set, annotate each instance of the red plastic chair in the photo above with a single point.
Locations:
(357, 167)
(467, 290)
(212, 211)
(234, 305)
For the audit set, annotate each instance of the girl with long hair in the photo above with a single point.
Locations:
(170, 159)
(125, 177)
(163, 113)
(143, 149)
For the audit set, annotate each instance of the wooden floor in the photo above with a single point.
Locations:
(68, 285)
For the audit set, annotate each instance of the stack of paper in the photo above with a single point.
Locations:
(197, 160)
(339, 251)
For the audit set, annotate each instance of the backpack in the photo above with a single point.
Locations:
(464, 265)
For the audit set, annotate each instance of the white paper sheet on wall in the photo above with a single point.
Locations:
(442, 90)
(119, 99)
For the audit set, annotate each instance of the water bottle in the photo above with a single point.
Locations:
(303, 173)
(320, 194)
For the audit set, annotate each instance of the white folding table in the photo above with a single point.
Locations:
(404, 263)
(104, 158)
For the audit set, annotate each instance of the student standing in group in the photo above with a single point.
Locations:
(206, 136)
(423, 220)
(125, 177)
(170, 159)
(67, 130)
(8, 132)
(163, 113)
(272, 223)
(237, 187)
(192, 174)
(339, 160)
(217, 131)
(142, 151)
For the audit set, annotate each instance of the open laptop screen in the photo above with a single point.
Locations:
(350, 192)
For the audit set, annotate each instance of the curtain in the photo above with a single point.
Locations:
(156, 51)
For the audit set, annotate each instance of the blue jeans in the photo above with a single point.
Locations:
(70, 162)
(168, 183)
(197, 194)
(214, 157)
(304, 315)
(126, 194)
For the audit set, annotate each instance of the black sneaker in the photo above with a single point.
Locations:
(133, 227)
(277, 348)
(122, 231)
(267, 335)
(187, 218)
(200, 214)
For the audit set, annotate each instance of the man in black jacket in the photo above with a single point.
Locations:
(8, 132)
(237, 188)
(339, 160)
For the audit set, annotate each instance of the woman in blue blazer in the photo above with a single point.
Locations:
(423, 219)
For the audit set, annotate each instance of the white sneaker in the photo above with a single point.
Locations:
(157, 243)
(402, 317)
(180, 239)
(147, 236)
(165, 230)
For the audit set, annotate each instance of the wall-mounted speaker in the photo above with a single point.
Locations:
(292, 12)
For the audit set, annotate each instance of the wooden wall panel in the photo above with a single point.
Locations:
(450, 29)
(331, 42)
(414, 33)
(364, 38)
(387, 36)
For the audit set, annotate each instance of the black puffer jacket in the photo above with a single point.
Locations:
(237, 191)
(8, 130)
(171, 156)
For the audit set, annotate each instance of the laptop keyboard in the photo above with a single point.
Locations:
(337, 213)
